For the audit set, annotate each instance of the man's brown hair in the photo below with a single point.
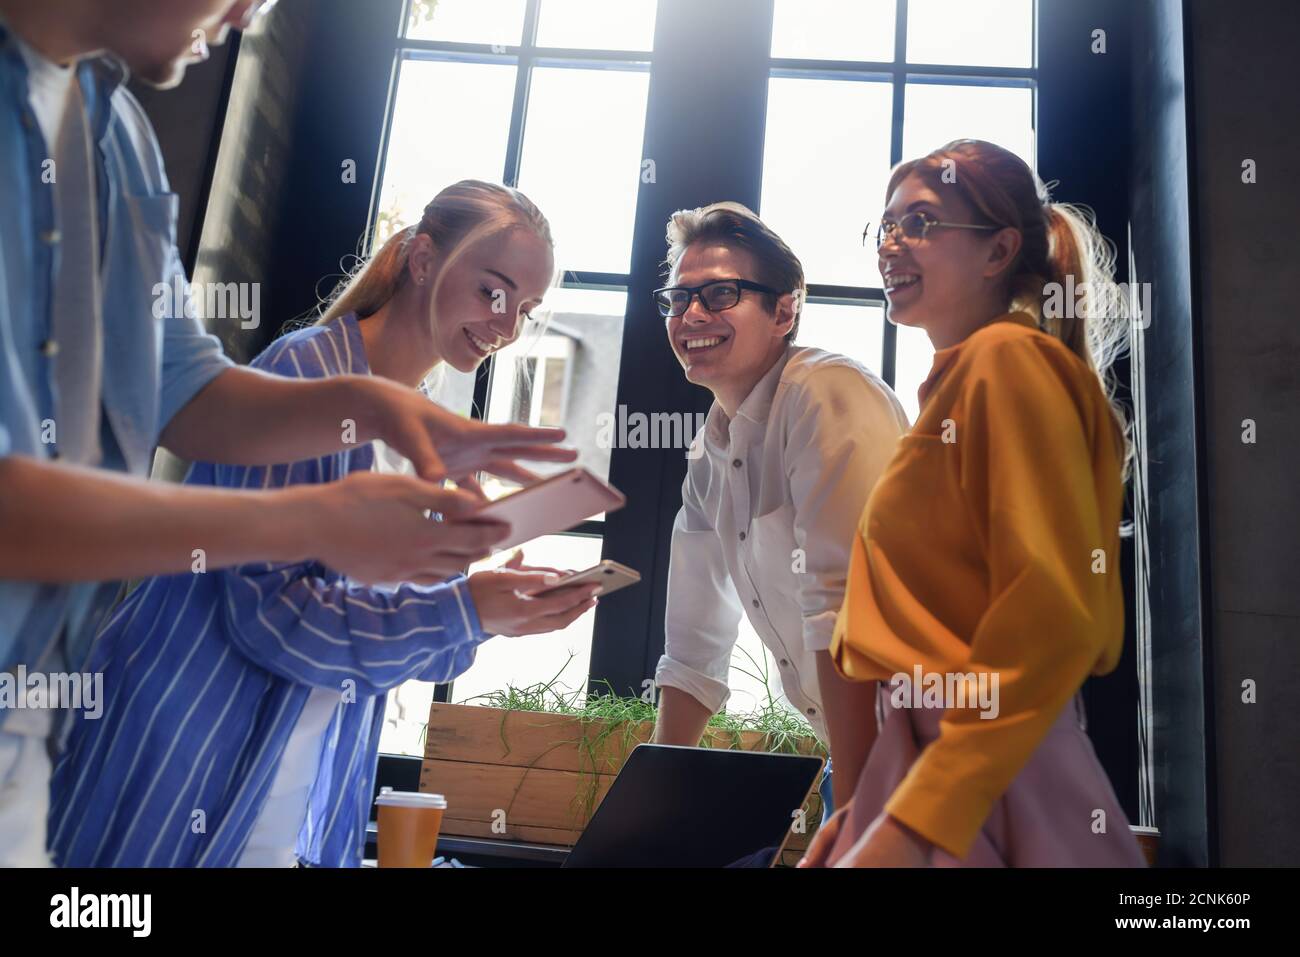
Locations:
(733, 224)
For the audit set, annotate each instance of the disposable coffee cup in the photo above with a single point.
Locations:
(408, 827)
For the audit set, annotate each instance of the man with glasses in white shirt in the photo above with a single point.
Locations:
(792, 446)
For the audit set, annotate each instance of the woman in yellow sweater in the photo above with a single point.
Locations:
(984, 585)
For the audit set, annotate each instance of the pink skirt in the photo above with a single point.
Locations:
(1044, 819)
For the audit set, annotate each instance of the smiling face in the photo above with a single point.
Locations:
(728, 351)
(951, 278)
(487, 294)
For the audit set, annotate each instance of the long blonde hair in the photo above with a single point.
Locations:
(1060, 245)
(455, 219)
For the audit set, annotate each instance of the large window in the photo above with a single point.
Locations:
(549, 96)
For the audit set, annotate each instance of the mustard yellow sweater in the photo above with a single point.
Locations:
(991, 543)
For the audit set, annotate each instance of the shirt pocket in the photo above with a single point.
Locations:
(772, 544)
(150, 229)
(139, 263)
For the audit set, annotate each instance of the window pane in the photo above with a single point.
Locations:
(538, 658)
(912, 364)
(971, 32)
(434, 96)
(405, 716)
(834, 29)
(567, 300)
(597, 24)
(825, 167)
(856, 331)
(569, 368)
(467, 21)
(581, 161)
(937, 113)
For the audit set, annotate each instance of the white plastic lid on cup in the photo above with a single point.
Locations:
(391, 798)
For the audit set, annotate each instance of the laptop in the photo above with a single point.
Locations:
(696, 807)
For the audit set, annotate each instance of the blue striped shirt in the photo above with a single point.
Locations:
(206, 675)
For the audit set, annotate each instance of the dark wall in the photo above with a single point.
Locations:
(250, 185)
(345, 68)
(1167, 377)
(254, 145)
(1246, 105)
(1083, 145)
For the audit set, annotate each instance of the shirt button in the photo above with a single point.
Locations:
(736, 462)
(812, 711)
(51, 236)
(785, 663)
(50, 348)
(742, 536)
(755, 602)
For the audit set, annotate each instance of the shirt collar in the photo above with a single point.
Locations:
(106, 70)
(944, 358)
(350, 327)
(753, 411)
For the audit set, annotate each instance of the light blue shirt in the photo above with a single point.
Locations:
(151, 367)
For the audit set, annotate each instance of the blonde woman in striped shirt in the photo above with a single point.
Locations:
(243, 706)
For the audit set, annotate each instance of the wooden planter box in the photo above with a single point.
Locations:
(537, 777)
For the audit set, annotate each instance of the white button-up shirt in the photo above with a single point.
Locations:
(769, 510)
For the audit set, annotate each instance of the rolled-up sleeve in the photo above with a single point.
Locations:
(703, 616)
(191, 357)
(843, 431)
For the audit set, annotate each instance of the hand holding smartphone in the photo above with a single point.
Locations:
(609, 575)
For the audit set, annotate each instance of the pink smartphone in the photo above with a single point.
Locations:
(552, 505)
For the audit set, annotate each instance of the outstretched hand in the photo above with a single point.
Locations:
(442, 444)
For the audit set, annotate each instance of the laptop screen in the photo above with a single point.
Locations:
(695, 807)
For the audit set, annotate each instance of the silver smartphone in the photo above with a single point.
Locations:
(610, 575)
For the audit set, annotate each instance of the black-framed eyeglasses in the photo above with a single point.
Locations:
(914, 227)
(714, 296)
